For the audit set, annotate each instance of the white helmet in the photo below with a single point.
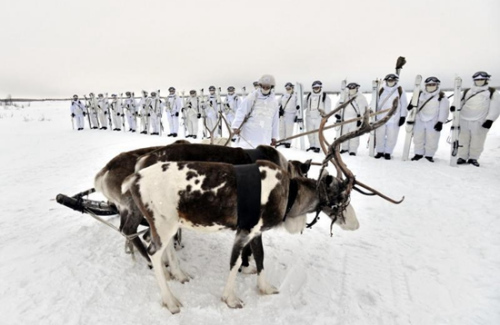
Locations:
(267, 80)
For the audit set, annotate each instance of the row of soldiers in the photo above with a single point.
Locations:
(480, 108)
(146, 114)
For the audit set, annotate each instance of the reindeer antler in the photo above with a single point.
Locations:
(333, 152)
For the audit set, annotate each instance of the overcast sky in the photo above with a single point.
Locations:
(54, 48)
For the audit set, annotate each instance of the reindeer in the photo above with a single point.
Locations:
(203, 196)
(109, 179)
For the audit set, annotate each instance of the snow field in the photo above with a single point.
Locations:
(431, 260)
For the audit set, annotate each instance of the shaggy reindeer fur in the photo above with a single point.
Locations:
(203, 196)
(109, 179)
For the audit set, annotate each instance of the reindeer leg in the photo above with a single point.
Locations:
(173, 261)
(245, 264)
(258, 250)
(161, 272)
(229, 296)
(129, 222)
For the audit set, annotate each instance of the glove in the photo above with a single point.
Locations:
(401, 120)
(182, 109)
(123, 115)
(338, 117)
(439, 126)
(105, 113)
(189, 105)
(452, 109)
(84, 114)
(199, 115)
(295, 119)
(298, 107)
(410, 107)
(149, 114)
(487, 124)
(72, 114)
(117, 114)
(176, 113)
(282, 112)
(358, 123)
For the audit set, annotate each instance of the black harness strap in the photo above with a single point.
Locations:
(256, 154)
(248, 188)
(292, 195)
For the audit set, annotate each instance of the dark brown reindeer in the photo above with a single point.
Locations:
(109, 179)
(203, 196)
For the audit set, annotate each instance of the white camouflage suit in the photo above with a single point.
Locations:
(192, 110)
(172, 109)
(156, 107)
(356, 108)
(476, 109)
(117, 113)
(211, 114)
(288, 103)
(77, 108)
(263, 124)
(143, 106)
(313, 103)
(231, 106)
(435, 109)
(131, 111)
(92, 106)
(387, 134)
(102, 105)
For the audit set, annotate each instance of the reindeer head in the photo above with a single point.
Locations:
(334, 192)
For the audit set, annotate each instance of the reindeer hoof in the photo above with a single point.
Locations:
(233, 301)
(248, 269)
(269, 290)
(173, 306)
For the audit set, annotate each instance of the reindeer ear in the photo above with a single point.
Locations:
(329, 180)
(324, 173)
(304, 168)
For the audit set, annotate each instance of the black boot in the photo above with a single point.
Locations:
(461, 161)
(311, 148)
(316, 150)
(194, 136)
(287, 145)
(387, 156)
(174, 135)
(417, 157)
(430, 159)
(473, 162)
(343, 151)
(352, 154)
(379, 155)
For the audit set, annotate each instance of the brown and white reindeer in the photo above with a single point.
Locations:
(203, 196)
(110, 177)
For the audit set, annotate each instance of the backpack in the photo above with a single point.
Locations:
(491, 90)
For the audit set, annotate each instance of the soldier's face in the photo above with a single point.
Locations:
(316, 89)
(289, 90)
(480, 82)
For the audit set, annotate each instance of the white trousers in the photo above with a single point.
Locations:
(192, 124)
(173, 123)
(471, 139)
(131, 121)
(386, 138)
(103, 119)
(353, 144)
(425, 138)
(79, 121)
(154, 121)
(117, 120)
(286, 126)
(312, 123)
(93, 119)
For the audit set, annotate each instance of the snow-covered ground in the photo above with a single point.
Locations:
(434, 259)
